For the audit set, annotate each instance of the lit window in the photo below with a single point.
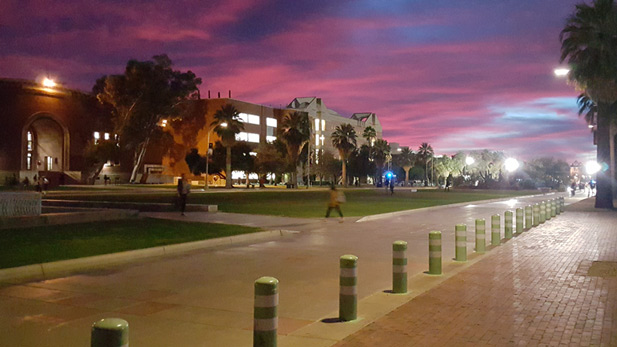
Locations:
(270, 139)
(106, 136)
(316, 124)
(248, 118)
(30, 143)
(316, 140)
(323, 125)
(97, 136)
(322, 139)
(253, 119)
(253, 138)
(254, 154)
(271, 122)
(316, 156)
(50, 163)
(29, 161)
(242, 136)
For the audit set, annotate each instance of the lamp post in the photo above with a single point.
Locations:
(224, 125)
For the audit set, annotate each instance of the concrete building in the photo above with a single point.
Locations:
(324, 121)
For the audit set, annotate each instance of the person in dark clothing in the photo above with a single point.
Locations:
(391, 186)
(184, 189)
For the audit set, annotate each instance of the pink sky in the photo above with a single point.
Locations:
(460, 75)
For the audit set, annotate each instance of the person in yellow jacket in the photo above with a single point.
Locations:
(336, 198)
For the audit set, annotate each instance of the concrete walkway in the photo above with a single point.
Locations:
(205, 298)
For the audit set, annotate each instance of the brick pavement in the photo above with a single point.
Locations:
(554, 285)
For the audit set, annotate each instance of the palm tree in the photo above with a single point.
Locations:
(344, 139)
(425, 152)
(589, 46)
(588, 107)
(406, 159)
(380, 152)
(226, 125)
(295, 132)
(370, 135)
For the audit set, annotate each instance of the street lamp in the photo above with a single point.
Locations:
(561, 72)
(48, 83)
(592, 167)
(224, 125)
(511, 164)
(469, 160)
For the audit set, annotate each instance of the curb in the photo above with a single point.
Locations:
(46, 271)
(140, 206)
(399, 213)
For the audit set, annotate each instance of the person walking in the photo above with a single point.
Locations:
(391, 186)
(336, 198)
(184, 188)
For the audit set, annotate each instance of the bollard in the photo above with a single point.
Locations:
(265, 314)
(460, 235)
(558, 206)
(548, 210)
(536, 215)
(507, 229)
(480, 236)
(399, 267)
(434, 253)
(495, 230)
(348, 296)
(553, 208)
(110, 332)
(542, 212)
(528, 217)
(519, 221)
(562, 204)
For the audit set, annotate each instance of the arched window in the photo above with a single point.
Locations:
(29, 149)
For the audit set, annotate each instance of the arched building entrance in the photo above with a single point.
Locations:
(45, 144)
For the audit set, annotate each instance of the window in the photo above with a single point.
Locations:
(271, 122)
(248, 118)
(316, 124)
(323, 125)
(97, 136)
(49, 163)
(270, 139)
(316, 140)
(242, 136)
(106, 136)
(253, 138)
(29, 161)
(30, 142)
(322, 139)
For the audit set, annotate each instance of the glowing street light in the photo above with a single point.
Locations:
(48, 83)
(511, 164)
(592, 167)
(561, 72)
(469, 161)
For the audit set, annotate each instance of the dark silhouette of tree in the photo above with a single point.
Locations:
(226, 125)
(344, 140)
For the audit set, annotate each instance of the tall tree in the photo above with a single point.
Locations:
(370, 134)
(344, 140)
(425, 153)
(226, 125)
(589, 46)
(268, 161)
(146, 93)
(406, 160)
(380, 152)
(295, 132)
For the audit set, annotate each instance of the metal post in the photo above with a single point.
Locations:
(399, 267)
(460, 235)
(495, 230)
(434, 253)
(480, 236)
(507, 229)
(110, 332)
(265, 316)
(519, 221)
(348, 295)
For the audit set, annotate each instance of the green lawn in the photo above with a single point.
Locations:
(311, 203)
(59, 242)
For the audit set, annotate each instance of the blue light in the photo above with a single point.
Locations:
(389, 174)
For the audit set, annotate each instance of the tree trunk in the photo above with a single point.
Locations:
(604, 188)
(406, 168)
(228, 181)
(344, 178)
(139, 158)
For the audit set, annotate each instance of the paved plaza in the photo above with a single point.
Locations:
(553, 284)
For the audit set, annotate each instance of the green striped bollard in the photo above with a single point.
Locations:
(265, 314)
(110, 332)
(495, 230)
(460, 235)
(553, 208)
(562, 204)
(399, 267)
(536, 215)
(480, 236)
(519, 221)
(507, 229)
(348, 295)
(542, 212)
(558, 206)
(548, 210)
(434, 253)
(528, 217)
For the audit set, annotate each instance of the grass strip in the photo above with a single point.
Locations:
(60, 242)
(310, 203)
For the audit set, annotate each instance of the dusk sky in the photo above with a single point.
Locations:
(460, 75)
